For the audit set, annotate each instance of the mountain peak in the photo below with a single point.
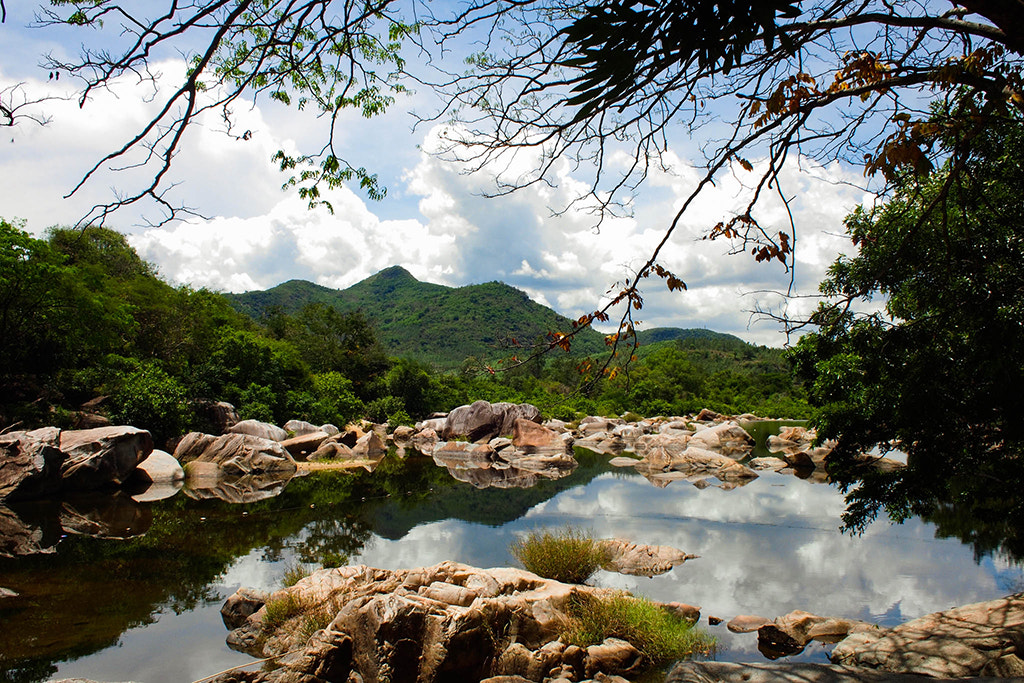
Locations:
(393, 273)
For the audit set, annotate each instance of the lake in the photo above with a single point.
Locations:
(145, 607)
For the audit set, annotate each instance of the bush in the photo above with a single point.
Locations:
(149, 398)
(568, 555)
(658, 634)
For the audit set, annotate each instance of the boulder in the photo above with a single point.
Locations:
(105, 456)
(235, 454)
(300, 428)
(529, 437)
(159, 467)
(331, 450)
(446, 622)
(30, 463)
(690, 613)
(626, 557)
(403, 434)
(981, 639)
(724, 468)
(221, 415)
(264, 430)
(242, 604)
(602, 442)
(482, 421)
(614, 656)
(207, 481)
(727, 438)
(82, 419)
(425, 440)
(706, 415)
(370, 446)
(746, 623)
(308, 442)
(767, 463)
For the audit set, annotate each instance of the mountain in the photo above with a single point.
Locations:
(431, 323)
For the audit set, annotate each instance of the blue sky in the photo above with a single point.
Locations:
(434, 221)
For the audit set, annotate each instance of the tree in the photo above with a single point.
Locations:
(936, 371)
(761, 83)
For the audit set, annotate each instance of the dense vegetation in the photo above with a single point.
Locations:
(84, 317)
(936, 371)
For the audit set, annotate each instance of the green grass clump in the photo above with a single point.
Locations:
(293, 573)
(568, 555)
(659, 635)
(280, 610)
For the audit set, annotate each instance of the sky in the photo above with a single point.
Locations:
(435, 220)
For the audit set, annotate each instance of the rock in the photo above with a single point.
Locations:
(613, 656)
(330, 429)
(300, 428)
(556, 425)
(463, 454)
(698, 460)
(714, 621)
(370, 446)
(242, 604)
(425, 440)
(981, 639)
(629, 558)
(658, 449)
(105, 456)
(30, 463)
(264, 430)
(727, 438)
(622, 461)
(796, 672)
(446, 622)
(706, 415)
(767, 463)
(529, 437)
(746, 623)
(789, 633)
(81, 419)
(159, 467)
(331, 450)
(690, 613)
(482, 421)
(155, 491)
(7, 593)
(595, 425)
(303, 445)
(403, 434)
(220, 414)
(236, 454)
(602, 442)
(551, 465)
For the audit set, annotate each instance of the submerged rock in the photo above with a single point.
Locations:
(626, 557)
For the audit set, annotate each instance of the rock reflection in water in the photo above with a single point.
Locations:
(246, 488)
(114, 516)
(20, 538)
(483, 467)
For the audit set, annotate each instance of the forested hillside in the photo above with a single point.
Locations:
(433, 324)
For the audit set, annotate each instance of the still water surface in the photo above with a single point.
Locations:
(146, 608)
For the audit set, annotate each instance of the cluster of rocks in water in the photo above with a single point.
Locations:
(450, 621)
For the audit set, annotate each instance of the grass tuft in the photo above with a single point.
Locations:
(293, 573)
(567, 555)
(280, 610)
(659, 635)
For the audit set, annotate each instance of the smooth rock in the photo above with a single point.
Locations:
(306, 443)
(159, 467)
(300, 428)
(264, 430)
(482, 421)
(746, 623)
(30, 463)
(370, 446)
(626, 557)
(236, 454)
(727, 438)
(105, 456)
(528, 436)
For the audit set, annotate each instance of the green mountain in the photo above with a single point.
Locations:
(432, 323)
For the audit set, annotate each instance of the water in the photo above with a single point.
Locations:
(146, 608)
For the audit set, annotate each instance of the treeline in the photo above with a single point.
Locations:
(83, 317)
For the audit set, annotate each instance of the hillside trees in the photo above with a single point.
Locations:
(935, 370)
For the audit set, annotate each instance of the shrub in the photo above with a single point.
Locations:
(567, 555)
(149, 398)
(293, 573)
(280, 610)
(658, 634)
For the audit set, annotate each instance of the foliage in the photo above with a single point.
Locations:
(276, 611)
(935, 371)
(293, 573)
(568, 555)
(659, 635)
(147, 395)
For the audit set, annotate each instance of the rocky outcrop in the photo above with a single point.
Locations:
(530, 437)
(235, 454)
(982, 639)
(264, 430)
(308, 442)
(30, 463)
(626, 557)
(482, 421)
(106, 456)
(727, 438)
(447, 622)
